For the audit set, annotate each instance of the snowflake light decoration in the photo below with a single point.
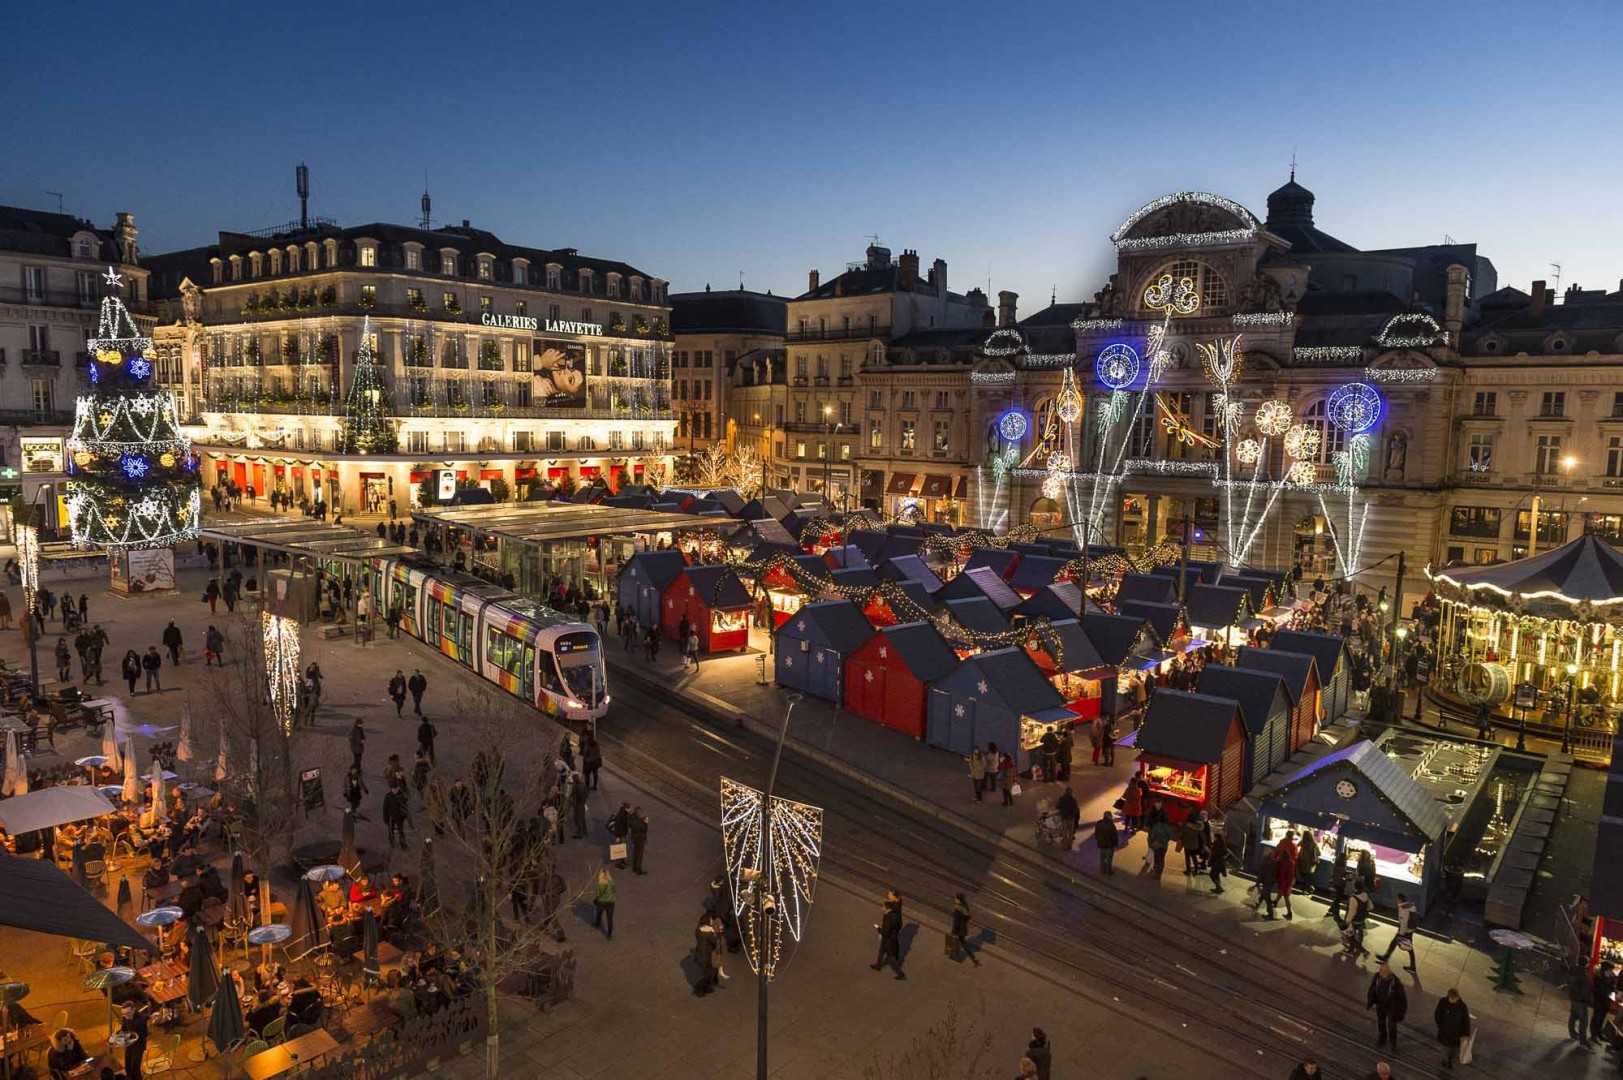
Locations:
(140, 367)
(133, 466)
(1274, 418)
(1354, 408)
(1013, 425)
(774, 864)
(1053, 486)
(1248, 452)
(1117, 366)
(1302, 441)
(1059, 461)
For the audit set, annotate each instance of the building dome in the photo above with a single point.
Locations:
(1291, 205)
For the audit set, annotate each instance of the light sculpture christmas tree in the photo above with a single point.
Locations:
(368, 425)
(134, 479)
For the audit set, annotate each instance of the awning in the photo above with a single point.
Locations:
(51, 806)
(901, 483)
(1170, 762)
(962, 490)
(36, 896)
(936, 486)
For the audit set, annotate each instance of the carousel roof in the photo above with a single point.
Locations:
(1588, 570)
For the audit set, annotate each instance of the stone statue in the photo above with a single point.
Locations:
(1397, 453)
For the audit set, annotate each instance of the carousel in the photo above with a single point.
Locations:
(1539, 640)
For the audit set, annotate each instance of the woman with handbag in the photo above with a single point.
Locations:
(603, 904)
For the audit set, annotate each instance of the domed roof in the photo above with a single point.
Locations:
(1289, 205)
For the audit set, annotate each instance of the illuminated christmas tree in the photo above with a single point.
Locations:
(134, 477)
(368, 426)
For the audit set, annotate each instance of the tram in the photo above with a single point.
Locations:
(541, 656)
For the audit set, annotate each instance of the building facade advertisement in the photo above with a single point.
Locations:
(560, 374)
(41, 455)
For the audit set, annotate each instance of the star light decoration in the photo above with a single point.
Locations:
(772, 853)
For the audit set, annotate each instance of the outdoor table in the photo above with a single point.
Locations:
(279, 1059)
(164, 893)
(14, 723)
(22, 1043)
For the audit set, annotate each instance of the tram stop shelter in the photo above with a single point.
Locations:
(304, 545)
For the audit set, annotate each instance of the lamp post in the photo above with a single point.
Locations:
(1387, 646)
(1572, 704)
(828, 432)
(1399, 635)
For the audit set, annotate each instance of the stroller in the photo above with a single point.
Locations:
(1050, 826)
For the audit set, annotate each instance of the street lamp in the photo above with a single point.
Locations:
(1399, 634)
(1572, 704)
(828, 432)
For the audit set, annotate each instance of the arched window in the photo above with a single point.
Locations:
(1331, 438)
(1211, 285)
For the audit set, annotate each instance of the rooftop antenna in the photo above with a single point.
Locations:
(874, 237)
(1053, 295)
(302, 182)
(1556, 292)
(1293, 164)
(58, 195)
(427, 203)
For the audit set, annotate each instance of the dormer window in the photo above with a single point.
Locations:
(84, 246)
(554, 274)
(448, 263)
(312, 256)
(414, 257)
(219, 270)
(484, 269)
(275, 261)
(636, 288)
(586, 281)
(293, 258)
(331, 261)
(614, 285)
(366, 255)
(256, 263)
(236, 268)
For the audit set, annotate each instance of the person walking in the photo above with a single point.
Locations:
(1453, 1019)
(1404, 937)
(213, 647)
(425, 738)
(705, 945)
(1217, 859)
(1132, 806)
(357, 741)
(1601, 989)
(172, 642)
(1306, 1069)
(690, 650)
(230, 593)
(395, 817)
(1107, 839)
(417, 684)
(1070, 814)
(603, 904)
(1390, 1001)
(64, 660)
(1067, 747)
(5, 612)
(397, 693)
(1159, 840)
(354, 788)
(977, 771)
(150, 663)
(1578, 1005)
(637, 829)
(134, 1027)
(84, 606)
(577, 803)
(1284, 875)
(890, 935)
(1040, 1052)
(958, 936)
(591, 759)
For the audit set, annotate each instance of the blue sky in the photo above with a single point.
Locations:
(701, 140)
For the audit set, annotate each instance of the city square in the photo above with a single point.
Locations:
(1210, 669)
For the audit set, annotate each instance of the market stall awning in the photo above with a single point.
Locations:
(900, 483)
(1187, 726)
(1586, 570)
(936, 486)
(36, 896)
(962, 490)
(48, 807)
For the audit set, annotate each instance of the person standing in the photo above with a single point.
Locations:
(64, 660)
(1107, 749)
(1307, 863)
(1390, 1001)
(425, 739)
(705, 944)
(1404, 937)
(1070, 814)
(1602, 987)
(134, 1024)
(172, 642)
(357, 741)
(417, 684)
(1105, 835)
(394, 815)
(397, 693)
(150, 663)
(1040, 1052)
(637, 829)
(84, 606)
(577, 803)
(1132, 806)
(1453, 1025)
(958, 936)
(890, 935)
(1005, 770)
(1217, 859)
(591, 759)
(5, 612)
(1159, 839)
(1578, 1005)
(1067, 747)
(977, 771)
(603, 904)
(1306, 1069)
(1338, 889)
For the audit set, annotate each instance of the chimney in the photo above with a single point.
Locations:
(908, 265)
(813, 280)
(1454, 306)
(988, 319)
(1541, 299)
(1006, 301)
(938, 277)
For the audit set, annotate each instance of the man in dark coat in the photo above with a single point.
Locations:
(1453, 1024)
(357, 741)
(394, 815)
(1070, 812)
(397, 692)
(577, 802)
(1105, 835)
(1600, 998)
(890, 935)
(637, 829)
(425, 738)
(1390, 1001)
(417, 684)
(172, 642)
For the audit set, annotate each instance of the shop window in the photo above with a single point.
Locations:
(1552, 526)
(1478, 521)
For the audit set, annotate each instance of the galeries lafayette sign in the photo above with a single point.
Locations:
(529, 322)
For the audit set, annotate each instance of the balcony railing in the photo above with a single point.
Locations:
(838, 333)
(42, 357)
(66, 298)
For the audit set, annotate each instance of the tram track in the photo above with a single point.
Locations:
(1101, 942)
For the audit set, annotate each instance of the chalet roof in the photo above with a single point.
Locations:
(1187, 726)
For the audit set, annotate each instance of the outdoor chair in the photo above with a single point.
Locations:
(163, 1059)
(84, 952)
(275, 1032)
(96, 874)
(254, 1046)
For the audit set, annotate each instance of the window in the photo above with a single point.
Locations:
(414, 298)
(845, 451)
(513, 656)
(449, 301)
(800, 448)
(943, 399)
(822, 367)
(81, 249)
(1617, 403)
(455, 442)
(1614, 456)
(910, 399)
(1479, 453)
(486, 305)
(87, 289)
(1213, 289)
(845, 413)
(845, 368)
(34, 283)
(369, 255)
(44, 397)
(876, 399)
(1548, 460)
(709, 389)
(909, 435)
(369, 295)
(1481, 522)
(521, 308)
(585, 314)
(417, 442)
(521, 356)
(1332, 440)
(414, 259)
(1552, 526)
(552, 277)
(800, 369)
(800, 412)
(39, 338)
(1486, 404)
(943, 436)
(448, 264)
(822, 451)
(484, 270)
(777, 415)
(682, 388)
(614, 285)
(876, 435)
(1554, 403)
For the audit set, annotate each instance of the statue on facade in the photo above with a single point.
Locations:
(1397, 453)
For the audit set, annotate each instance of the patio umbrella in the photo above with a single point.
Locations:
(303, 917)
(159, 810)
(226, 1028)
(428, 888)
(369, 942)
(110, 750)
(220, 771)
(16, 782)
(184, 750)
(201, 981)
(132, 781)
(126, 900)
(347, 856)
(235, 903)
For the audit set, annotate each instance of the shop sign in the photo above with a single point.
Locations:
(583, 329)
(1525, 696)
(510, 322)
(42, 455)
(447, 483)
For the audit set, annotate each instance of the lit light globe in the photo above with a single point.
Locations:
(1117, 366)
(166, 459)
(1053, 487)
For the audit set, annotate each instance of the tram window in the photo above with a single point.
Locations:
(464, 638)
(410, 606)
(433, 616)
(448, 622)
(510, 655)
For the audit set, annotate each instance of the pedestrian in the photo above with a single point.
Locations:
(64, 660)
(1070, 815)
(637, 829)
(84, 606)
(591, 759)
(397, 693)
(1040, 1053)
(134, 1028)
(1132, 806)
(172, 642)
(1404, 937)
(1339, 877)
(992, 763)
(425, 739)
(1358, 909)
(312, 676)
(1193, 846)
(417, 684)
(395, 817)
(1107, 740)
(1107, 839)
(1048, 748)
(213, 647)
(1453, 1019)
(354, 788)
(603, 904)
(958, 936)
(977, 771)
(1284, 871)
(1160, 839)
(1307, 863)
(619, 829)
(1578, 1005)
(705, 946)
(150, 663)
(890, 934)
(1217, 859)
(1306, 1069)
(419, 775)
(357, 741)
(1005, 770)
(5, 612)
(577, 803)
(229, 593)
(1390, 1001)
(1067, 746)
(1096, 738)
(1602, 987)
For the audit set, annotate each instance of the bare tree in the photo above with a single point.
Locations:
(955, 1048)
(494, 836)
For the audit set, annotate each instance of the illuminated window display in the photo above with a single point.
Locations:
(722, 622)
(1188, 784)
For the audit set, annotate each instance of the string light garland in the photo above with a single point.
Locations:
(1250, 226)
(1041, 361)
(1170, 467)
(1401, 375)
(1004, 341)
(1327, 354)
(1264, 318)
(1095, 325)
(772, 859)
(281, 638)
(28, 557)
(993, 377)
(1411, 330)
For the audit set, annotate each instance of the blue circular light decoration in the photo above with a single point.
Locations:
(134, 466)
(1354, 408)
(1117, 366)
(140, 367)
(1013, 425)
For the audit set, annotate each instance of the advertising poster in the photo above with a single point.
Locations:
(560, 375)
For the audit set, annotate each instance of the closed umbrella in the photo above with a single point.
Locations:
(220, 772)
(235, 902)
(132, 781)
(347, 856)
(184, 750)
(369, 942)
(428, 888)
(201, 981)
(109, 748)
(160, 812)
(16, 782)
(303, 917)
(226, 1028)
(126, 900)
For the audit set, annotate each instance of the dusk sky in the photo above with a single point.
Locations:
(700, 140)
